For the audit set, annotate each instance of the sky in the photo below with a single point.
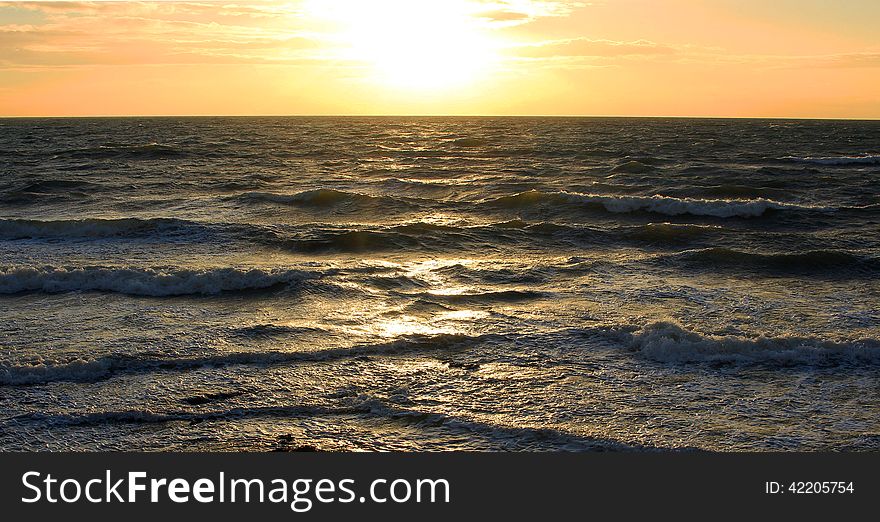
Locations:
(717, 58)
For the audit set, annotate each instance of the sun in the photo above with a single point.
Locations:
(421, 45)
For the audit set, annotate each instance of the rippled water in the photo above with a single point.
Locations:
(439, 283)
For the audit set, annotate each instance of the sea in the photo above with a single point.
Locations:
(439, 283)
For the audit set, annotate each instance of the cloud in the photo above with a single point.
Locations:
(78, 33)
(503, 16)
(841, 60)
(62, 7)
(868, 58)
(67, 34)
(592, 48)
(507, 13)
(148, 33)
(588, 47)
(587, 52)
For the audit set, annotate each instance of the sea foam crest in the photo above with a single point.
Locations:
(142, 281)
(667, 205)
(671, 206)
(866, 159)
(668, 342)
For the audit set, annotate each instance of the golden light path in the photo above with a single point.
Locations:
(426, 45)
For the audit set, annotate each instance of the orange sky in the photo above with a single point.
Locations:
(739, 58)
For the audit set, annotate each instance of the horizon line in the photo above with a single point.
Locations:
(594, 116)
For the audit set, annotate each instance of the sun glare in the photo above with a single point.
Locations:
(423, 45)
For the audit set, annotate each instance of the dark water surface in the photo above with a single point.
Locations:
(439, 283)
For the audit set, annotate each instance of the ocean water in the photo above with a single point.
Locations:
(439, 283)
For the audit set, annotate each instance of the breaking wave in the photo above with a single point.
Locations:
(670, 343)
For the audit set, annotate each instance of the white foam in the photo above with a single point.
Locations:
(669, 342)
(837, 160)
(672, 206)
(81, 370)
(667, 205)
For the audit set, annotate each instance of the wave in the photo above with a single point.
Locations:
(789, 262)
(91, 228)
(158, 282)
(268, 331)
(729, 191)
(670, 343)
(667, 232)
(151, 417)
(58, 185)
(477, 434)
(519, 438)
(355, 241)
(321, 198)
(405, 236)
(530, 275)
(448, 238)
(498, 296)
(470, 142)
(32, 195)
(108, 366)
(667, 205)
(865, 159)
(302, 238)
(632, 167)
(146, 151)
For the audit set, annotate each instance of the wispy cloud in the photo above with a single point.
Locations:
(131, 33)
(586, 47)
